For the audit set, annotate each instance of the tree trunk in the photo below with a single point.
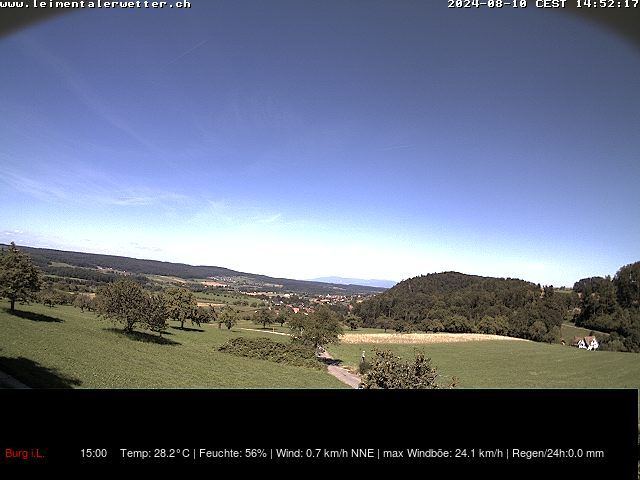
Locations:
(13, 304)
(181, 324)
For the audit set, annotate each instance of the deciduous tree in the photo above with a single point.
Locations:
(82, 301)
(123, 301)
(206, 314)
(19, 279)
(182, 306)
(627, 282)
(48, 297)
(263, 317)
(156, 313)
(384, 322)
(227, 317)
(284, 316)
(318, 329)
(352, 321)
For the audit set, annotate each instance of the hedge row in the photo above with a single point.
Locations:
(266, 349)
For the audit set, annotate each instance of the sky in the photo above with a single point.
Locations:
(300, 139)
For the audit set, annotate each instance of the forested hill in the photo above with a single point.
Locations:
(451, 282)
(50, 261)
(455, 302)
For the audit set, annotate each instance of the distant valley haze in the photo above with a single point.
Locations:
(356, 281)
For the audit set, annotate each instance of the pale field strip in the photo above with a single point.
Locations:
(266, 331)
(421, 338)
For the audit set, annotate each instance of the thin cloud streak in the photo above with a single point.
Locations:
(223, 213)
(84, 190)
(397, 147)
(271, 219)
(186, 52)
(85, 93)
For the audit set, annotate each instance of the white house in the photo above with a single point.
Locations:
(588, 343)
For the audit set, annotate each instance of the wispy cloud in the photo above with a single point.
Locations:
(186, 52)
(38, 189)
(222, 212)
(400, 146)
(146, 248)
(83, 188)
(270, 219)
(83, 90)
(138, 199)
(36, 239)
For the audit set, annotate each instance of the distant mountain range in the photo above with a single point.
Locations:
(50, 261)
(356, 281)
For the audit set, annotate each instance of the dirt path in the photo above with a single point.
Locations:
(341, 373)
(265, 331)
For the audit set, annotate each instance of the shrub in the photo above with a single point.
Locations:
(389, 371)
(364, 367)
(266, 349)
(612, 343)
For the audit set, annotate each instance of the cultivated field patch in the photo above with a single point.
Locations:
(420, 338)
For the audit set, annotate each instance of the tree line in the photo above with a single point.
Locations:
(458, 303)
(612, 305)
(442, 302)
(127, 302)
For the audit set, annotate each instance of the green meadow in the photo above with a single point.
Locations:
(568, 331)
(514, 364)
(63, 347)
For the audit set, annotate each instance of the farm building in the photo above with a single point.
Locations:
(588, 343)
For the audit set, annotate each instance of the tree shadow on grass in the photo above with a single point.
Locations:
(143, 337)
(330, 361)
(187, 329)
(35, 317)
(35, 375)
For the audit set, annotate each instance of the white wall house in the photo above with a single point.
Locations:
(588, 343)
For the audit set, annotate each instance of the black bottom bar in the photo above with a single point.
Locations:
(458, 431)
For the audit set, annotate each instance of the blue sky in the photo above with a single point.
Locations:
(370, 139)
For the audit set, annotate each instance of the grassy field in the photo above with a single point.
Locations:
(227, 297)
(62, 347)
(239, 302)
(163, 279)
(274, 327)
(514, 364)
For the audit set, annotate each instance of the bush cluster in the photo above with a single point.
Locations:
(390, 371)
(266, 349)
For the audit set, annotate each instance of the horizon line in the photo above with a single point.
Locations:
(287, 278)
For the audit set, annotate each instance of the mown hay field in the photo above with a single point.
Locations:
(420, 338)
